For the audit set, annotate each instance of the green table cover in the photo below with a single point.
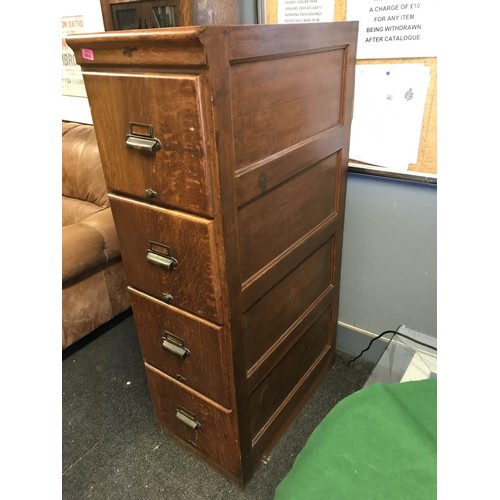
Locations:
(378, 443)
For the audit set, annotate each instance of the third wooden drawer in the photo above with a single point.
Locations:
(181, 345)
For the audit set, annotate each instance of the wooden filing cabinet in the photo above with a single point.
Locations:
(225, 154)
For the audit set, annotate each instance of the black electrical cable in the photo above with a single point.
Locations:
(394, 332)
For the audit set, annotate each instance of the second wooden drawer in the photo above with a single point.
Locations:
(170, 255)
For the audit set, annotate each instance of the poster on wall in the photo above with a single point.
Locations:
(394, 28)
(305, 11)
(72, 79)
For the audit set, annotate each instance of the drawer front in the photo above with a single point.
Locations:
(178, 174)
(169, 255)
(182, 346)
(208, 428)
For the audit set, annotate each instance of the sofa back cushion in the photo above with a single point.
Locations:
(82, 175)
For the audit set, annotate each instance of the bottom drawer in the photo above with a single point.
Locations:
(207, 427)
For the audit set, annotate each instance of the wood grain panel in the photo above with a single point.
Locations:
(277, 269)
(179, 172)
(273, 222)
(272, 357)
(264, 132)
(203, 369)
(279, 422)
(269, 318)
(194, 283)
(261, 84)
(247, 44)
(258, 177)
(275, 388)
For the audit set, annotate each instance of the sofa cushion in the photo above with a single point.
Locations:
(74, 210)
(82, 175)
(88, 244)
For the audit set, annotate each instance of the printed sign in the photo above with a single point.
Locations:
(394, 28)
(72, 79)
(305, 11)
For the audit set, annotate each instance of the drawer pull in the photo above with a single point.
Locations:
(146, 142)
(187, 418)
(161, 255)
(175, 345)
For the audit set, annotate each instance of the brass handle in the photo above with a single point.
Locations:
(145, 141)
(175, 345)
(166, 261)
(161, 255)
(143, 144)
(187, 418)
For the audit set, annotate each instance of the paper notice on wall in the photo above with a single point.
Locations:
(394, 28)
(305, 11)
(72, 79)
(389, 103)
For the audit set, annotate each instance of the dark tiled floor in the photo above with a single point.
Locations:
(111, 445)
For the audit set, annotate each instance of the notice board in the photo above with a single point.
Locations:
(392, 21)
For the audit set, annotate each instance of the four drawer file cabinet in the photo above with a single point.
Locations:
(225, 151)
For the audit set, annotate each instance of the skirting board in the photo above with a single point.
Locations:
(352, 341)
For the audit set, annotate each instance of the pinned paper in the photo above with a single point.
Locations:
(389, 103)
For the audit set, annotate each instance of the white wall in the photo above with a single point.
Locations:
(77, 108)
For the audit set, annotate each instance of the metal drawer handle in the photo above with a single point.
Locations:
(146, 142)
(175, 345)
(187, 418)
(161, 255)
(161, 260)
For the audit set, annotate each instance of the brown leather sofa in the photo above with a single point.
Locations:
(94, 286)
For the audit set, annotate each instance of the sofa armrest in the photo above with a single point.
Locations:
(89, 244)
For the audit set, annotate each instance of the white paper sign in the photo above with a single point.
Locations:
(394, 28)
(72, 79)
(389, 103)
(305, 11)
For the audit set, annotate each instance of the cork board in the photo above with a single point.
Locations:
(427, 153)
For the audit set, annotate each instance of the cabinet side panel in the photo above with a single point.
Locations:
(273, 222)
(291, 94)
(281, 102)
(281, 309)
(277, 386)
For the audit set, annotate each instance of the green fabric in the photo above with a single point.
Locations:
(378, 443)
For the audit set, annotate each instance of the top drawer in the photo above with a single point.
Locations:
(127, 107)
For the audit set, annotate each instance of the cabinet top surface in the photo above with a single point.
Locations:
(244, 41)
(190, 32)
